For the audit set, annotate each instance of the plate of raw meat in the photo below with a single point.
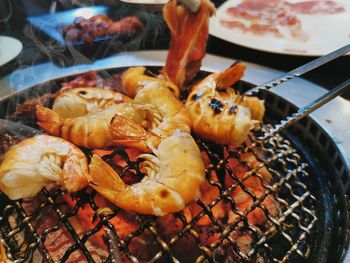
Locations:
(295, 27)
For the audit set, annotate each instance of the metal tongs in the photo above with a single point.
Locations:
(314, 105)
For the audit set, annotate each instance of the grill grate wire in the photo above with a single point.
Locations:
(290, 228)
(283, 237)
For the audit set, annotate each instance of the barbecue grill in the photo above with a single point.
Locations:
(310, 182)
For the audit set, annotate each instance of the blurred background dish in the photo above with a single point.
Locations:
(295, 27)
(9, 49)
(81, 35)
(59, 26)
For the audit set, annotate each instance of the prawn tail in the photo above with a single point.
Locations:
(103, 178)
(125, 132)
(230, 76)
(49, 120)
(75, 176)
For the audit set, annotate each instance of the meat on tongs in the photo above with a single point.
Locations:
(188, 24)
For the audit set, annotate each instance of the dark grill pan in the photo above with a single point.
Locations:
(310, 183)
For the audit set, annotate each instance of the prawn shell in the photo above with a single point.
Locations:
(175, 114)
(182, 166)
(35, 162)
(101, 128)
(80, 101)
(167, 190)
(91, 131)
(221, 114)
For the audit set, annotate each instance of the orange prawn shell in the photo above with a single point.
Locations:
(175, 114)
(23, 171)
(80, 101)
(94, 130)
(221, 114)
(165, 190)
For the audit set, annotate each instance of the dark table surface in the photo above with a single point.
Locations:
(37, 49)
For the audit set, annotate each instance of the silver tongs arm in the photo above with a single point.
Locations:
(304, 111)
(113, 247)
(300, 70)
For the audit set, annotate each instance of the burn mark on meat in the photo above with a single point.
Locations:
(196, 97)
(233, 109)
(164, 193)
(216, 105)
(82, 92)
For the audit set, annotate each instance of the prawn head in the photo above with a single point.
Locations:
(135, 78)
(126, 132)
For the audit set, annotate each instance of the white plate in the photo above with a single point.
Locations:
(9, 49)
(324, 32)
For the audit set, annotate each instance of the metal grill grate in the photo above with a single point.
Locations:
(205, 236)
(281, 232)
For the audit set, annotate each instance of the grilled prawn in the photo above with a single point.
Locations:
(102, 128)
(154, 114)
(38, 161)
(80, 101)
(220, 114)
(173, 178)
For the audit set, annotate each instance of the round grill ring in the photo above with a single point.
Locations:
(311, 227)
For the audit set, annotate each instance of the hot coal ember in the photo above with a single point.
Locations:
(250, 187)
(126, 225)
(55, 234)
(206, 228)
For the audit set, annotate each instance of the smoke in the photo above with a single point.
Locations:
(83, 2)
(66, 54)
(6, 12)
(39, 47)
(17, 130)
(72, 3)
(50, 48)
